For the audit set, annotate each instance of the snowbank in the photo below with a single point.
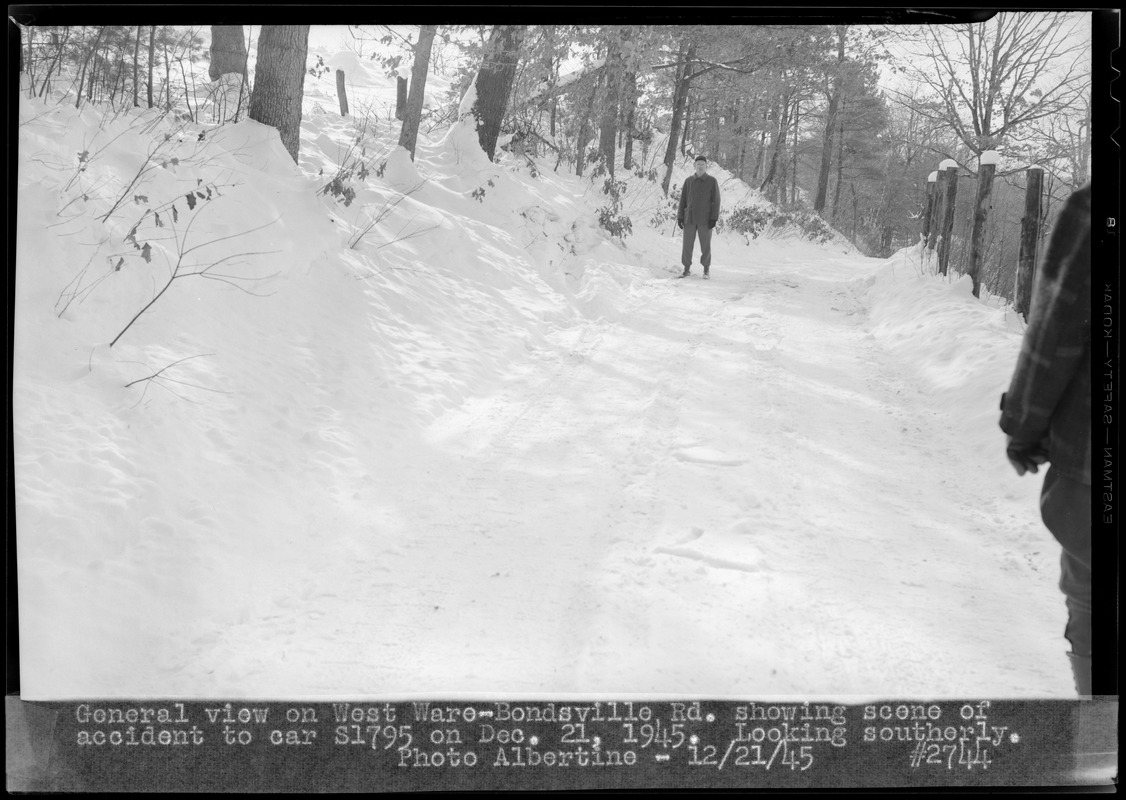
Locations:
(961, 349)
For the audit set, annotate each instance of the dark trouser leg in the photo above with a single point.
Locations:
(1065, 507)
(689, 242)
(705, 246)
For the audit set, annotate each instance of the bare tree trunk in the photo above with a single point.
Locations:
(85, 62)
(494, 83)
(228, 52)
(759, 155)
(119, 76)
(584, 129)
(94, 75)
(687, 125)
(794, 159)
(401, 90)
(777, 140)
(713, 130)
(680, 98)
(608, 129)
(244, 85)
(152, 56)
(731, 140)
(60, 45)
(279, 81)
(187, 91)
(742, 156)
(549, 72)
(408, 136)
(167, 73)
(855, 202)
(840, 171)
(136, 52)
(629, 85)
(830, 125)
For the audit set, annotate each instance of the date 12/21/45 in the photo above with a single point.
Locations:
(798, 758)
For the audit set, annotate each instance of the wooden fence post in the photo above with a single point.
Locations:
(341, 93)
(987, 167)
(950, 167)
(1029, 236)
(931, 179)
(936, 209)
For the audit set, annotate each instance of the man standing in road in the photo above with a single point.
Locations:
(698, 214)
(1047, 413)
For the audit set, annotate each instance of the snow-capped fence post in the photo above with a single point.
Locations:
(987, 167)
(401, 99)
(929, 213)
(950, 167)
(1029, 236)
(936, 209)
(341, 93)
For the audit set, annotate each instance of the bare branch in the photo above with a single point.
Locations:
(158, 373)
(176, 273)
(223, 238)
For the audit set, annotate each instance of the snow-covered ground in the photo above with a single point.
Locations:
(481, 447)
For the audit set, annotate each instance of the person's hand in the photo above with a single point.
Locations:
(711, 225)
(1026, 456)
(681, 224)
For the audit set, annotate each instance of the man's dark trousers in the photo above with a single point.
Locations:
(691, 230)
(1065, 507)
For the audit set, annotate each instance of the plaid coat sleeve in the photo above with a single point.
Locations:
(1049, 397)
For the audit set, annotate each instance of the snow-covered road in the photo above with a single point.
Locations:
(727, 488)
(509, 454)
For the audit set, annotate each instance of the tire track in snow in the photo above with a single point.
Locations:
(709, 495)
(646, 621)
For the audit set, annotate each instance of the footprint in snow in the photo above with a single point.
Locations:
(725, 550)
(706, 455)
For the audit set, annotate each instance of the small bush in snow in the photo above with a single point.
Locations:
(747, 220)
(610, 217)
(353, 166)
(754, 221)
(666, 212)
(339, 190)
(811, 225)
(817, 229)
